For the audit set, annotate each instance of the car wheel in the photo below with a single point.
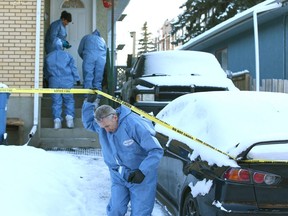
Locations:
(190, 207)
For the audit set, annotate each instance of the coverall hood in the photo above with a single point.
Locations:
(96, 32)
(124, 112)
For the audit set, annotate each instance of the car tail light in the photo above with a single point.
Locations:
(250, 176)
(240, 175)
(259, 177)
(266, 178)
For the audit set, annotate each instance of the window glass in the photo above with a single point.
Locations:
(72, 4)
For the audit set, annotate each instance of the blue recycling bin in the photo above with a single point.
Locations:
(3, 113)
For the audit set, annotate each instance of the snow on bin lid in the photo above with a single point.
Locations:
(2, 85)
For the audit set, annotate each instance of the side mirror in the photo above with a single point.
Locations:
(129, 73)
(229, 74)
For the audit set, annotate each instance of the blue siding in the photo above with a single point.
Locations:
(271, 48)
(241, 51)
(241, 55)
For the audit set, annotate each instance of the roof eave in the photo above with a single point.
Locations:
(237, 19)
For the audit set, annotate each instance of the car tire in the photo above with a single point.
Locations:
(189, 207)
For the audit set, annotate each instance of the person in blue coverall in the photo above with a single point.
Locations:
(132, 154)
(57, 29)
(92, 49)
(61, 72)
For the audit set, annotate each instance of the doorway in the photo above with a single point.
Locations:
(81, 11)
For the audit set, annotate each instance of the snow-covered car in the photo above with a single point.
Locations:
(226, 155)
(159, 77)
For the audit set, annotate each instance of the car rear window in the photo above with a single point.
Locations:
(269, 152)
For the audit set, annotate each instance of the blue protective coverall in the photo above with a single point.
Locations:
(55, 30)
(130, 147)
(92, 49)
(61, 72)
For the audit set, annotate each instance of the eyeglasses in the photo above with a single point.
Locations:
(98, 120)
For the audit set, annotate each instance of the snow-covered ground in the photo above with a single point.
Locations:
(35, 182)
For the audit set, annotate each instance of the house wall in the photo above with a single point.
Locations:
(241, 51)
(102, 20)
(272, 50)
(17, 54)
(17, 39)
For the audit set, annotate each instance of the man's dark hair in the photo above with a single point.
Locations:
(67, 16)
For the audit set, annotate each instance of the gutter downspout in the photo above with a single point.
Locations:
(285, 47)
(256, 38)
(111, 78)
(36, 72)
(94, 17)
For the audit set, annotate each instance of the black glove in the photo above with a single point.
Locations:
(91, 98)
(78, 83)
(136, 177)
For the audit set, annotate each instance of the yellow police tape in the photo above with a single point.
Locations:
(133, 108)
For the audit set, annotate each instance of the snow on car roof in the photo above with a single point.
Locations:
(230, 121)
(183, 62)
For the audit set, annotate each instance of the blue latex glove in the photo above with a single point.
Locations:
(66, 44)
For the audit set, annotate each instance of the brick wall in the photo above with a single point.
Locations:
(17, 43)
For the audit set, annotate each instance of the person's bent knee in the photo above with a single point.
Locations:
(116, 210)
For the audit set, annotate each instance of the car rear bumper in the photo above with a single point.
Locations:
(246, 210)
(254, 213)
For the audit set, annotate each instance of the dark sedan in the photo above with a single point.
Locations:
(235, 159)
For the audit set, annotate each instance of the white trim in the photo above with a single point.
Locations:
(94, 15)
(36, 71)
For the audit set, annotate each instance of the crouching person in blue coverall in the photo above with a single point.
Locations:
(61, 72)
(132, 154)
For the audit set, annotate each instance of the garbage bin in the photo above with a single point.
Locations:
(3, 113)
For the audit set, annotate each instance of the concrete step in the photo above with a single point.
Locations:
(48, 122)
(47, 112)
(68, 138)
(46, 102)
(64, 137)
(47, 143)
(67, 133)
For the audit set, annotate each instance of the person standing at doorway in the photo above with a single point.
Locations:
(61, 72)
(57, 29)
(92, 49)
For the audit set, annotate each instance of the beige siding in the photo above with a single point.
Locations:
(17, 43)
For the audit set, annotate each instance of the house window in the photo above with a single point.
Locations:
(72, 4)
(221, 56)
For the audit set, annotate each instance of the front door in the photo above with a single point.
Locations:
(81, 11)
